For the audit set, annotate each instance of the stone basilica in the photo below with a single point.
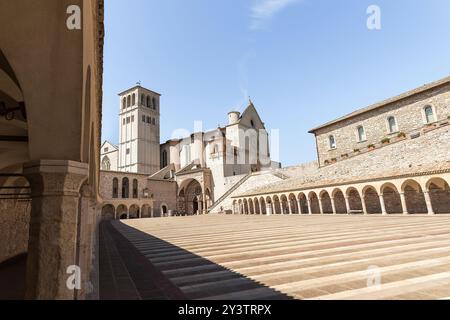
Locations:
(143, 178)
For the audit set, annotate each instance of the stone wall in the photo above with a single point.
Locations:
(14, 226)
(161, 192)
(430, 148)
(164, 193)
(409, 114)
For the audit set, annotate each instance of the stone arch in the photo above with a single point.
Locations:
(414, 197)
(251, 207)
(339, 201)
(246, 209)
(115, 188)
(372, 200)
(284, 204)
(164, 209)
(135, 188)
(13, 108)
(293, 203)
(108, 212)
(325, 199)
(256, 206)
(234, 206)
(354, 199)
(269, 205)
(303, 200)
(190, 197)
(135, 212)
(240, 206)
(87, 121)
(391, 198)
(314, 202)
(125, 188)
(122, 212)
(276, 205)
(106, 164)
(263, 206)
(439, 193)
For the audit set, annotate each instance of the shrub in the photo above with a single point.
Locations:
(385, 140)
(401, 135)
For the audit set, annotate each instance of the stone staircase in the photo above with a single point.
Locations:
(229, 192)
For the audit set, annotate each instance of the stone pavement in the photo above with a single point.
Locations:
(300, 257)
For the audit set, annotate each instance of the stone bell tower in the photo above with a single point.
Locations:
(139, 148)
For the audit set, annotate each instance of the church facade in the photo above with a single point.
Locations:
(143, 178)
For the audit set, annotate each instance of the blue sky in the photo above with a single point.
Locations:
(303, 62)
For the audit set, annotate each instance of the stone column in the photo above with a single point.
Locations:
(205, 205)
(260, 206)
(364, 207)
(85, 233)
(320, 206)
(55, 192)
(282, 208)
(269, 209)
(333, 205)
(200, 207)
(299, 204)
(290, 206)
(347, 204)
(428, 202)
(404, 207)
(383, 206)
(309, 207)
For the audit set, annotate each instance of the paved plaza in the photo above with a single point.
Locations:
(280, 257)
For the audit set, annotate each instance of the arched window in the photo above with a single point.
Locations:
(125, 188)
(106, 164)
(164, 159)
(392, 123)
(128, 101)
(154, 103)
(124, 103)
(361, 134)
(149, 102)
(142, 100)
(133, 100)
(115, 194)
(429, 114)
(332, 142)
(153, 121)
(135, 188)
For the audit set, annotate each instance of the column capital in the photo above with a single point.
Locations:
(55, 177)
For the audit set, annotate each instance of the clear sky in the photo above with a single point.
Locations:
(303, 62)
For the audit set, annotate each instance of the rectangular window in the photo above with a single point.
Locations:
(132, 118)
(128, 120)
(361, 134)
(143, 118)
(128, 151)
(124, 121)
